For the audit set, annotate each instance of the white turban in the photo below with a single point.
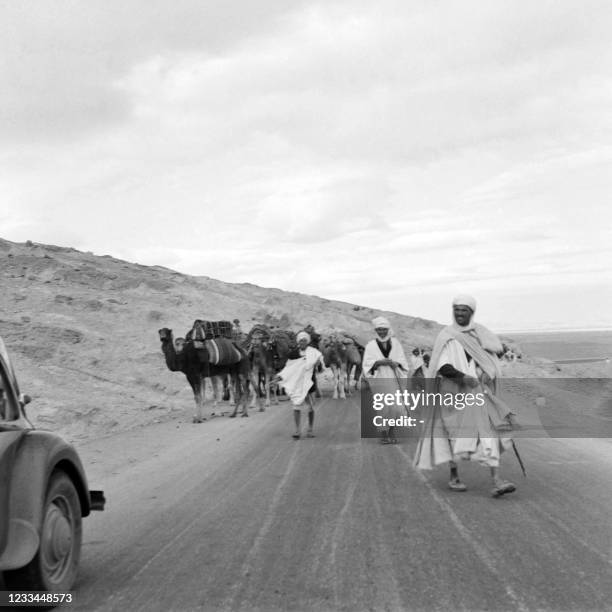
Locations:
(465, 300)
(303, 336)
(381, 322)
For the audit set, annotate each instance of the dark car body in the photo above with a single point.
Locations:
(28, 459)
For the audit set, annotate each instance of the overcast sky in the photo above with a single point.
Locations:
(386, 153)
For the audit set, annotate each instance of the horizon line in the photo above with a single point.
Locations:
(552, 330)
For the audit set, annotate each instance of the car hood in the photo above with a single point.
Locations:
(9, 442)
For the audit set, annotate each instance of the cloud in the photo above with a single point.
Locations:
(62, 59)
(340, 148)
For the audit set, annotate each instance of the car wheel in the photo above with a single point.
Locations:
(55, 565)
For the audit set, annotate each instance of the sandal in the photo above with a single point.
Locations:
(456, 485)
(310, 435)
(503, 487)
(296, 436)
(386, 441)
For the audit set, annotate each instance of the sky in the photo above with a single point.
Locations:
(390, 154)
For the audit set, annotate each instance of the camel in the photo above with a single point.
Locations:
(182, 356)
(268, 351)
(262, 366)
(222, 387)
(354, 357)
(315, 341)
(334, 356)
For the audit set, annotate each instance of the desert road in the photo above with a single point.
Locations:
(233, 514)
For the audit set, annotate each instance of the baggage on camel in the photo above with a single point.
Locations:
(214, 337)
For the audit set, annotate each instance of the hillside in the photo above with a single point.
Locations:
(82, 331)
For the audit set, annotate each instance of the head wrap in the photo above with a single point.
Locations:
(381, 322)
(303, 336)
(465, 300)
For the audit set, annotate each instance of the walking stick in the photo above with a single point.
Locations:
(519, 458)
(399, 384)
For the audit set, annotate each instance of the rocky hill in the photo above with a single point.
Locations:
(82, 331)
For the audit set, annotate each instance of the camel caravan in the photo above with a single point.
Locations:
(242, 367)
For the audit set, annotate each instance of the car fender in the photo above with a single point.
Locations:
(9, 443)
(37, 455)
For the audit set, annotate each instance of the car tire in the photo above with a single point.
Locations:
(54, 567)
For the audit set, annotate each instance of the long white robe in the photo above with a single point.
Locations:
(386, 379)
(471, 431)
(296, 376)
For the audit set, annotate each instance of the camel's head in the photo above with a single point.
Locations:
(333, 344)
(165, 334)
(259, 339)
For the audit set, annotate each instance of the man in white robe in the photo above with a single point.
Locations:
(297, 379)
(465, 360)
(385, 369)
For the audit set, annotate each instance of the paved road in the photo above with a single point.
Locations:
(235, 515)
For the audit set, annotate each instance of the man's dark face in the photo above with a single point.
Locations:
(381, 331)
(462, 314)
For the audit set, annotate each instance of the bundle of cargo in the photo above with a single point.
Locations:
(207, 330)
(213, 340)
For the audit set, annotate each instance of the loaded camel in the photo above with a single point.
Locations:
(182, 356)
(268, 352)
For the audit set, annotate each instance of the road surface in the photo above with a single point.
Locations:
(233, 514)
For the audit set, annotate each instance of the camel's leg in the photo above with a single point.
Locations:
(317, 390)
(212, 389)
(238, 394)
(336, 375)
(197, 384)
(347, 382)
(236, 383)
(254, 378)
(242, 393)
(232, 395)
(274, 387)
(267, 388)
(244, 380)
(316, 378)
(358, 372)
(342, 380)
(214, 383)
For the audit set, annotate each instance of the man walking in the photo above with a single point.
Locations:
(296, 378)
(465, 360)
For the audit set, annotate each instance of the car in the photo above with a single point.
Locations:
(44, 495)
